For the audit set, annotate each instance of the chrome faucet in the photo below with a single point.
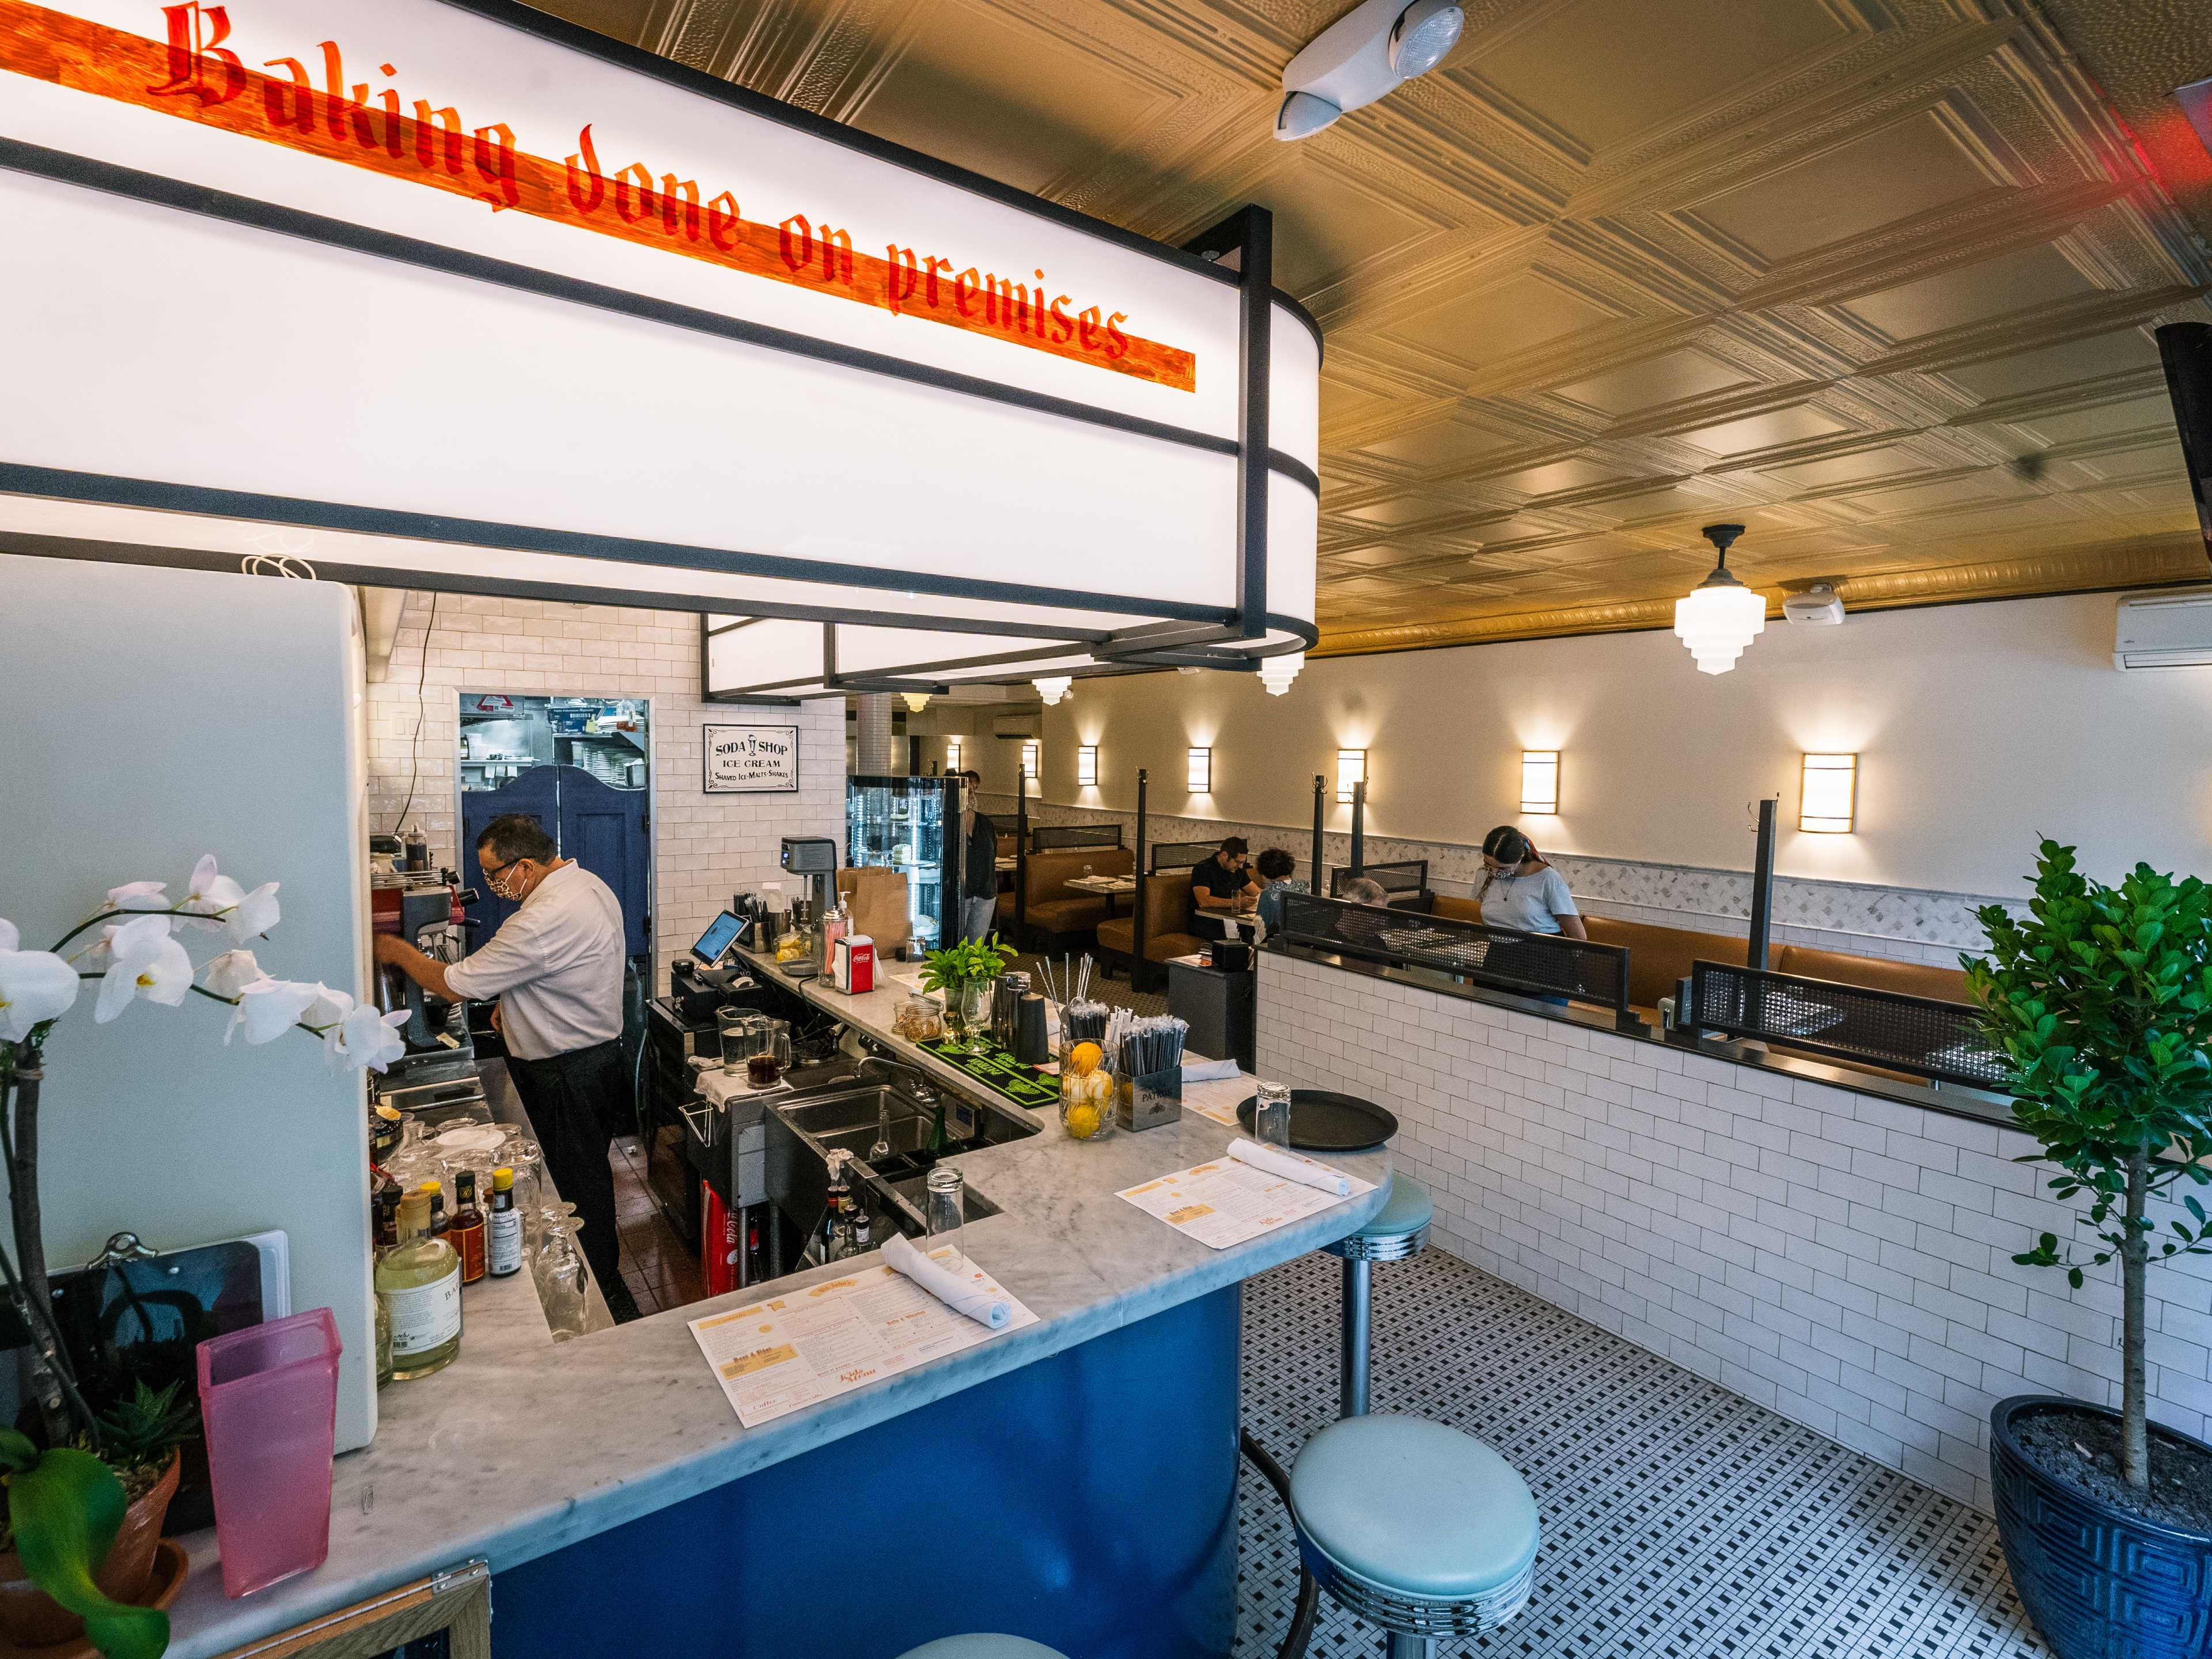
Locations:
(918, 1086)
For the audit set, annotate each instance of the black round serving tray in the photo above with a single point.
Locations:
(1325, 1122)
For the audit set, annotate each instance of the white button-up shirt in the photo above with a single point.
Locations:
(555, 965)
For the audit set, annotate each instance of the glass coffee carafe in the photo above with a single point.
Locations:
(771, 1055)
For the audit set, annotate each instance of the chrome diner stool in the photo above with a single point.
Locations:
(1409, 1524)
(1398, 1229)
(982, 1647)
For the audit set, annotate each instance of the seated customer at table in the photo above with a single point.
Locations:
(1275, 867)
(1358, 927)
(1223, 884)
(1521, 892)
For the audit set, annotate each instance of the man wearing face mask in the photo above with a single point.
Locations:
(978, 888)
(556, 966)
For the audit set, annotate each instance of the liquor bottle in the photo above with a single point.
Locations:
(466, 1234)
(503, 1228)
(419, 1281)
(440, 1221)
(836, 1212)
(863, 1230)
(387, 1235)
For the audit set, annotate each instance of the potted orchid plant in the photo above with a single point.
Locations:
(91, 1482)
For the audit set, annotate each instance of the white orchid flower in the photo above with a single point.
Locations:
(269, 1007)
(256, 914)
(146, 963)
(229, 974)
(369, 1039)
(35, 985)
(329, 1007)
(210, 894)
(139, 896)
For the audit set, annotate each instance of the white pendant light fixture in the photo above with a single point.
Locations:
(1276, 673)
(1720, 616)
(915, 701)
(1052, 688)
(1369, 52)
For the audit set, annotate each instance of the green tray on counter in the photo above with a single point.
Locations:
(997, 1071)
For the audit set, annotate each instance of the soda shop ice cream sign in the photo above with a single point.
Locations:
(752, 760)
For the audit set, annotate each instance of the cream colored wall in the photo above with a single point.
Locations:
(1977, 726)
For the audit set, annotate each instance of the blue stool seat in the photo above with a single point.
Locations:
(1413, 1525)
(983, 1647)
(1398, 1229)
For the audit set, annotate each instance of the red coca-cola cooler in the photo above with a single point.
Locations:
(721, 1241)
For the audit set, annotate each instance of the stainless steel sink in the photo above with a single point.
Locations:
(802, 1132)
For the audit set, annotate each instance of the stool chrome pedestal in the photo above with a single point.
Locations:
(1398, 1229)
(982, 1647)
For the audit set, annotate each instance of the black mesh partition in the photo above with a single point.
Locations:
(1527, 964)
(1058, 837)
(1918, 1036)
(1182, 855)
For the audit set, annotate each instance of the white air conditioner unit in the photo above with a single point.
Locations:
(2164, 630)
(1014, 726)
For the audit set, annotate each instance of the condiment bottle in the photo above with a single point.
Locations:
(466, 1233)
(504, 1230)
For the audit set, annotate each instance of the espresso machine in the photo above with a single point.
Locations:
(427, 910)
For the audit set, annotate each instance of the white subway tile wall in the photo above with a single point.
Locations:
(704, 846)
(1842, 1259)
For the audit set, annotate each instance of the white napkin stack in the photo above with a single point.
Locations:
(1291, 1166)
(956, 1292)
(1208, 1070)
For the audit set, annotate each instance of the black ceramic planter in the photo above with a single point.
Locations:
(2098, 1581)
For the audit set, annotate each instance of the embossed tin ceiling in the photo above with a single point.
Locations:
(1621, 268)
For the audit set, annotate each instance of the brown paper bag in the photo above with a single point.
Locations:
(877, 900)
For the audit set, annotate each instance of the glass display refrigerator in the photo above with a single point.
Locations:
(902, 824)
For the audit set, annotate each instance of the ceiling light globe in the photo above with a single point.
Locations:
(1302, 115)
(1052, 688)
(1276, 673)
(1424, 35)
(1717, 620)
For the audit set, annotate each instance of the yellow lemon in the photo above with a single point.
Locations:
(1083, 1122)
(1084, 1058)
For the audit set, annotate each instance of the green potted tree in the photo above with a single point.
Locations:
(2101, 1000)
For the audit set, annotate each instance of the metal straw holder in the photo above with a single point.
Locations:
(1146, 1103)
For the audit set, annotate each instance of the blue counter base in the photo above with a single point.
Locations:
(1088, 1501)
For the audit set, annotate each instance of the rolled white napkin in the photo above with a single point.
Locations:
(955, 1291)
(1208, 1070)
(1289, 1166)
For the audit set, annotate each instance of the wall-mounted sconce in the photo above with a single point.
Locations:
(1201, 771)
(1830, 794)
(952, 754)
(1350, 769)
(1086, 766)
(1540, 781)
(1030, 760)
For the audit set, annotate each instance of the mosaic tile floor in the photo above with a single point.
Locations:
(1679, 1518)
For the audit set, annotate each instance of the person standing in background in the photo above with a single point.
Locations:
(556, 966)
(979, 862)
(1521, 892)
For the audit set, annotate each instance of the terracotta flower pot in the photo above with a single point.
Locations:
(29, 1618)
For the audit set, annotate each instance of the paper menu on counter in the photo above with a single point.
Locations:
(775, 1357)
(1226, 1202)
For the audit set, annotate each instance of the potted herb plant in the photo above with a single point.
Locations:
(2101, 1000)
(79, 1493)
(962, 974)
(63, 1512)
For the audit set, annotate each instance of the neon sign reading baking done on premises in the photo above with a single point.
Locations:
(191, 73)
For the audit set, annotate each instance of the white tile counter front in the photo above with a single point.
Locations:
(1843, 1258)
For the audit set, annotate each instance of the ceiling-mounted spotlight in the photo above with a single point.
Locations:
(1365, 53)
(1720, 616)
(1276, 673)
(1052, 688)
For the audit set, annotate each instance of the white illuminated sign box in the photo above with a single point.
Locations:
(470, 298)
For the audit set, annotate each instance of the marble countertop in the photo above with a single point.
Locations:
(522, 1447)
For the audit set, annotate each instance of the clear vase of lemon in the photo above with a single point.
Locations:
(1086, 1093)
